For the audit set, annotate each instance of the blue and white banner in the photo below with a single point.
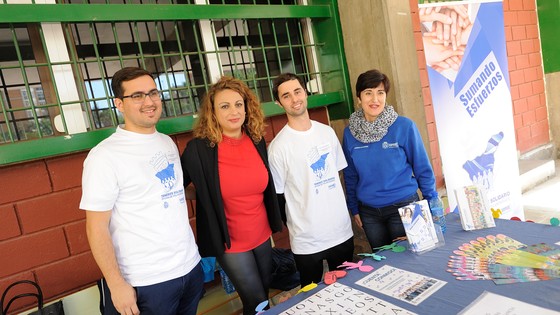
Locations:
(465, 50)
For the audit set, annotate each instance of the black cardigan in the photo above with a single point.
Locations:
(200, 166)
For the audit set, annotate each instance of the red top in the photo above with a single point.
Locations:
(243, 179)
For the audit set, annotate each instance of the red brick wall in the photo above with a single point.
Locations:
(523, 44)
(42, 230)
(526, 75)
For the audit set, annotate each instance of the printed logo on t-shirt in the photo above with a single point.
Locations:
(319, 167)
(167, 176)
(318, 161)
(165, 170)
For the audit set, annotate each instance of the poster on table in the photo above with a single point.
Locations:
(465, 49)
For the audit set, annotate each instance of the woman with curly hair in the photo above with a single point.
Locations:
(236, 204)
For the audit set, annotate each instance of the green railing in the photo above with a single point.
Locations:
(57, 61)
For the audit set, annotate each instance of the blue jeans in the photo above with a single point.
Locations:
(178, 296)
(383, 225)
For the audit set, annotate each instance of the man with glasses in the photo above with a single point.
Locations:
(136, 213)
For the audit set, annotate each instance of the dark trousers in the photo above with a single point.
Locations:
(251, 273)
(383, 225)
(178, 296)
(310, 266)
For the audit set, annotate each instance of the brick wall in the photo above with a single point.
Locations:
(523, 45)
(526, 74)
(42, 230)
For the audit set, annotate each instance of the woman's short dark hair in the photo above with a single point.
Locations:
(123, 75)
(370, 80)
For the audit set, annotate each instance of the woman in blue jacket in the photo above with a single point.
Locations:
(387, 162)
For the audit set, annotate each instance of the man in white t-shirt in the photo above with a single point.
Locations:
(136, 213)
(305, 158)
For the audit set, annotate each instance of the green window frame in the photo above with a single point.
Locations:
(254, 42)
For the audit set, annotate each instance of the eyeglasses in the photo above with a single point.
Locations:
(140, 97)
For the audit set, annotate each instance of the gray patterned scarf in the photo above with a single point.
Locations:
(368, 132)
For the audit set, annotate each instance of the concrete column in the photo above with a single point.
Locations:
(552, 85)
(379, 35)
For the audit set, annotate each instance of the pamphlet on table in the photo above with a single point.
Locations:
(404, 285)
(419, 227)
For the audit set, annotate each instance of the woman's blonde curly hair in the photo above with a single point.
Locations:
(207, 127)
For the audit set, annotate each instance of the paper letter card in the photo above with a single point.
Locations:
(473, 208)
(340, 299)
(407, 286)
(419, 226)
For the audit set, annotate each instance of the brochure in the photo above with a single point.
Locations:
(474, 208)
(420, 230)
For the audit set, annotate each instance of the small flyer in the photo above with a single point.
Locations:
(473, 208)
(419, 226)
(501, 305)
(340, 299)
(407, 286)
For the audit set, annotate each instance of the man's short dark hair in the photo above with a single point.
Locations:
(123, 75)
(370, 80)
(283, 78)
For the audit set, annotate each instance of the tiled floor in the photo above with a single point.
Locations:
(543, 202)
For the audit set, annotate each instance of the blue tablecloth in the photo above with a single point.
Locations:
(456, 295)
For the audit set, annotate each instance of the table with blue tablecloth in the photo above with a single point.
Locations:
(456, 295)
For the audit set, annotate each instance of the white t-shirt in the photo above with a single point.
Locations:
(305, 165)
(139, 178)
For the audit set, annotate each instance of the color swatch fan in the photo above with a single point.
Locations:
(504, 260)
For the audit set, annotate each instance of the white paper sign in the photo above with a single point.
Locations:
(501, 305)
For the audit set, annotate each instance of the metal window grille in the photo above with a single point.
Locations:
(55, 76)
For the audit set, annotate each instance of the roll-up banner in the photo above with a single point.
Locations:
(465, 49)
